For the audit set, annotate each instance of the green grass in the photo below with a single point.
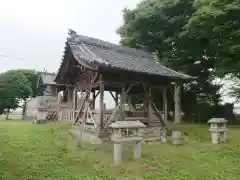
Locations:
(47, 152)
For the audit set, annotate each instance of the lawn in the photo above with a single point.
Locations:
(38, 152)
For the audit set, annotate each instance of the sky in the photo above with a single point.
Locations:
(33, 32)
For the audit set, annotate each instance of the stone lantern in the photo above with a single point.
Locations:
(218, 129)
(126, 132)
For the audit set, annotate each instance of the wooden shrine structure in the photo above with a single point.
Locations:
(92, 66)
(50, 102)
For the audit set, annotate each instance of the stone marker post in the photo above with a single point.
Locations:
(177, 138)
(218, 129)
(123, 132)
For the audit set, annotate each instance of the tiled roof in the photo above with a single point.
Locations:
(48, 78)
(102, 53)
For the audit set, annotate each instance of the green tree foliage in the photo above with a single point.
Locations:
(16, 85)
(216, 24)
(33, 79)
(185, 37)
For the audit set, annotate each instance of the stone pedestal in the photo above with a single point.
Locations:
(117, 156)
(123, 132)
(218, 129)
(137, 150)
(163, 135)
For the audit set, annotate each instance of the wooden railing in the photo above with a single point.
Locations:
(66, 114)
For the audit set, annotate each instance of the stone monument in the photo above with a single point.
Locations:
(218, 129)
(126, 132)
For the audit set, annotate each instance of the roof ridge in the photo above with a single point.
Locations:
(76, 38)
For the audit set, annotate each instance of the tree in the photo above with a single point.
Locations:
(16, 85)
(33, 79)
(162, 27)
(216, 25)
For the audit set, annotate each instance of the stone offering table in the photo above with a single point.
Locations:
(218, 129)
(123, 132)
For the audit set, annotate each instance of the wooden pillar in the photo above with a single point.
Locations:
(149, 105)
(74, 101)
(70, 94)
(101, 105)
(56, 92)
(65, 95)
(165, 104)
(177, 104)
(122, 102)
(145, 105)
(94, 99)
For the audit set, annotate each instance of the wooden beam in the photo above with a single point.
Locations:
(76, 66)
(129, 89)
(165, 104)
(94, 99)
(74, 101)
(101, 101)
(87, 94)
(122, 101)
(154, 107)
(97, 94)
(149, 107)
(114, 98)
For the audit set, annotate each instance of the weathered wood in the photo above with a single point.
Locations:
(154, 107)
(110, 120)
(149, 108)
(119, 106)
(101, 102)
(97, 94)
(87, 94)
(122, 101)
(74, 101)
(91, 113)
(114, 98)
(128, 89)
(81, 108)
(59, 107)
(85, 80)
(94, 99)
(165, 104)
